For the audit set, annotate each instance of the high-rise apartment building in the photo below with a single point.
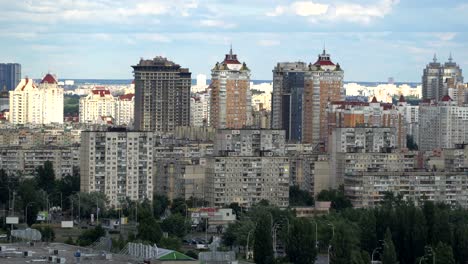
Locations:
(231, 98)
(162, 95)
(117, 163)
(37, 104)
(438, 78)
(97, 104)
(200, 109)
(10, 75)
(442, 125)
(301, 94)
(248, 166)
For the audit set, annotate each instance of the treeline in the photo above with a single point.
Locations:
(397, 231)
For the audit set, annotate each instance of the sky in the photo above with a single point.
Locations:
(100, 39)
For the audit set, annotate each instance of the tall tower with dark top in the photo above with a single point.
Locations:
(10, 75)
(301, 94)
(230, 94)
(162, 95)
(438, 78)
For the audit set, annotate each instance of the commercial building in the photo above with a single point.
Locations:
(248, 166)
(162, 95)
(231, 99)
(300, 97)
(37, 104)
(438, 78)
(117, 163)
(10, 75)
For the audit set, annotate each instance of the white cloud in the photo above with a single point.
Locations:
(349, 12)
(268, 42)
(445, 36)
(306, 8)
(216, 23)
(153, 37)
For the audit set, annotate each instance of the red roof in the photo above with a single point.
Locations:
(446, 98)
(324, 63)
(133, 81)
(402, 99)
(26, 83)
(49, 79)
(374, 100)
(126, 97)
(101, 91)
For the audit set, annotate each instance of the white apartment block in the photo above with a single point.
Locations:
(37, 104)
(23, 161)
(442, 125)
(362, 139)
(367, 189)
(124, 110)
(249, 166)
(117, 163)
(99, 103)
(200, 109)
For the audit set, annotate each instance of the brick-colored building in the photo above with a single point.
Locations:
(231, 105)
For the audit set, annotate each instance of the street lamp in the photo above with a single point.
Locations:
(329, 244)
(421, 259)
(373, 252)
(316, 241)
(26, 213)
(432, 253)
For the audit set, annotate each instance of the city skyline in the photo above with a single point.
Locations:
(372, 40)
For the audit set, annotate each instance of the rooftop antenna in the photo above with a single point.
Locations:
(435, 58)
(450, 57)
(324, 49)
(230, 51)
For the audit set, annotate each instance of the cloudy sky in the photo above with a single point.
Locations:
(371, 39)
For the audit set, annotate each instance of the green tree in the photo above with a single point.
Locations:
(301, 242)
(367, 224)
(47, 233)
(90, 236)
(149, 230)
(298, 197)
(461, 243)
(263, 245)
(337, 198)
(175, 225)
(389, 255)
(45, 177)
(170, 243)
(160, 204)
(444, 254)
(178, 206)
(345, 243)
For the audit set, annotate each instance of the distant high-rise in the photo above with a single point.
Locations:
(438, 78)
(231, 105)
(10, 75)
(300, 97)
(162, 95)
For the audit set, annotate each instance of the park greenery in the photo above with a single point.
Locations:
(396, 231)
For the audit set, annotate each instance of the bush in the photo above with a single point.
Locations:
(90, 236)
(47, 233)
(192, 254)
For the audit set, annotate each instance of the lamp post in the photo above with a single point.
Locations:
(421, 259)
(329, 244)
(432, 253)
(26, 213)
(373, 252)
(316, 241)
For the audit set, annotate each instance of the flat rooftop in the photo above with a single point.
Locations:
(40, 252)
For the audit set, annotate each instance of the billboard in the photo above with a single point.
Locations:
(67, 224)
(12, 220)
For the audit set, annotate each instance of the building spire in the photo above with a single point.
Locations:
(230, 50)
(450, 57)
(435, 58)
(324, 52)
